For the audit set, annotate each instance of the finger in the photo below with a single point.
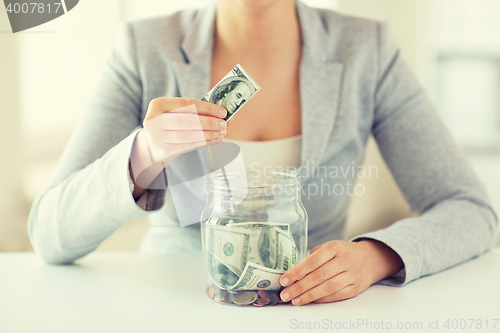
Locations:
(313, 279)
(186, 121)
(328, 287)
(345, 293)
(176, 137)
(309, 264)
(187, 105)
(316, 248)
(174, 150)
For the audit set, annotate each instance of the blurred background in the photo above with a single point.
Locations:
(48, 72)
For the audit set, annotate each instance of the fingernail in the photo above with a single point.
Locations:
(219, 139)
(223, 124)
(223, 112)
(285, 296)
(296, 301)
(224, 132)
(284, 282)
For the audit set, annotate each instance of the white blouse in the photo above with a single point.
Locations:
(282, 153)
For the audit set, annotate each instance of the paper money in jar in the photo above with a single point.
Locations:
(247, 260)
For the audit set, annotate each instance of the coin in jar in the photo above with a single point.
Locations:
(211, 291)
(245, 297)
(274, 299)
(263, 301)
(228, 297)
(219, 296)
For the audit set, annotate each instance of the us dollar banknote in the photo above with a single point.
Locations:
(286, 251)
(257, 277)
(233, 91)
(265, 242)
(251, 241)
(223, 274)
(244, 251)
(229, 246)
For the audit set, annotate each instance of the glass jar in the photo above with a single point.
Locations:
(254, 228)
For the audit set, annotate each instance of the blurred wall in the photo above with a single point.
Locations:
(13, 207)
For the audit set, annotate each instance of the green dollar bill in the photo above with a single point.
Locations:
(223, 275)
(233, 91)
(230, 246)
(257, 277)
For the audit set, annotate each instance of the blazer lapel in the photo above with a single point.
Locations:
(193, 72)
(193, 81)
(320, 88)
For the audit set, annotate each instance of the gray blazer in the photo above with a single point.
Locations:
(353, 83)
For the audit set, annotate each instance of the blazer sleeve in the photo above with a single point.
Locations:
(90, 194)
(456, 221)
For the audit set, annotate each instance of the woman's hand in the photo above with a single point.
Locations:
(173, 126)
(339, 270)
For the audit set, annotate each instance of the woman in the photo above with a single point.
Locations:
(330, 78)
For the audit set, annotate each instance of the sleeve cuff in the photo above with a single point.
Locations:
(406, 274)
(150, 200)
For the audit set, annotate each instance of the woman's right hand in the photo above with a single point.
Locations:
(173, 126)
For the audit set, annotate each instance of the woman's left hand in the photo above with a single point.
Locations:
(339, 270)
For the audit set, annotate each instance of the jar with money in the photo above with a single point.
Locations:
(254, 228)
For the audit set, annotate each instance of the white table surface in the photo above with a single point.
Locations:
(128, 292)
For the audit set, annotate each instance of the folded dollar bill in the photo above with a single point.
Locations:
(233, 91)
(257, 277)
